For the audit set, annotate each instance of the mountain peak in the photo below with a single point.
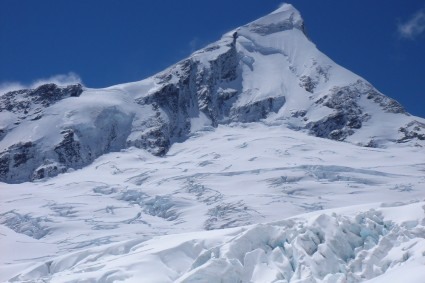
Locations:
(286, 17)
(267, 71)
(285, 7)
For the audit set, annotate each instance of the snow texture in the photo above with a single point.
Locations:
(256, 159)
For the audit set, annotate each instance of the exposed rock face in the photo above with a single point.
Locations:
(62, 146)
(347, 116)
(68, 150)
(29, 103)
(258, 110)
(258, 72)
(15, 158)
(196, 90)
(413, 130)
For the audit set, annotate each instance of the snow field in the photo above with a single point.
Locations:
(245, 191)
(218, 179)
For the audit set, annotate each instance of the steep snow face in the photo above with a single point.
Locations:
(266, 71)
(326, 100)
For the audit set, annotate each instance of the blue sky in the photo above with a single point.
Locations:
(108, 42)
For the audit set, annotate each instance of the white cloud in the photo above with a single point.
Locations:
(194, 44)
(66, 79)
(414, 26)
(61, 79)
(10, 86)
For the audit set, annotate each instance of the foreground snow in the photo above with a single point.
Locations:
(107, 221)
(348, 246)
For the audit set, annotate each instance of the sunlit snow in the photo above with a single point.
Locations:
(240, 196)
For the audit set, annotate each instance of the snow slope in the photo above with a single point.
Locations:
(257, 159)
(222, 178)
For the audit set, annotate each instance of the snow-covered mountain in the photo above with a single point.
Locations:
(256, 159)
(267, 70)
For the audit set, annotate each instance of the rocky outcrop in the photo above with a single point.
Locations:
(29, 103)
(64, 146)
(413, 130)
(14, 161)
(348, 115)
(196, 90)
(257, 110)
(21, 101)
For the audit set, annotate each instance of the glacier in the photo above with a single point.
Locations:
(107, 221)
(256, 159)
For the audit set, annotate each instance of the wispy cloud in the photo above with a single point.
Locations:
(194, 44)
(10, 86)
(61, 79)
(414, 26)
